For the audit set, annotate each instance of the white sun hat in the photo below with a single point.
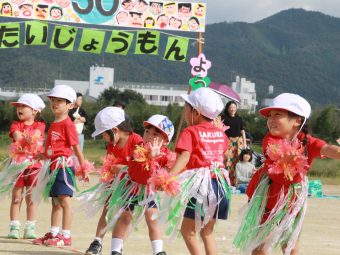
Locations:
(163, 124)
(65, 92)
(206, 101)
(289, 102)
(31, 100)
(107, 119)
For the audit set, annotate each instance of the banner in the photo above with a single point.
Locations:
(92, 40)
(163, 15)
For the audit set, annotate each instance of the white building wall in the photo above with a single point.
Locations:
(247, 93)
(101, 78)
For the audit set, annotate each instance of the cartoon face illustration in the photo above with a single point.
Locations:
(184, 10)
(170, 8)
(156, 8)
(175, 23)
(135, 19)
(26, 10)
(41, 11)
(193, 24)
(149, 22)
(63, 3)
(162, 21)
(200, 10)
(128, 4)
(6, 9)
(122, 17)
(141, 6)
(56, 12)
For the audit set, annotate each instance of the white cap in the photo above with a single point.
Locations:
(107, 119)
(289, 102)
(31, 100)
(163, 124)
(206, 101)
(65, 92)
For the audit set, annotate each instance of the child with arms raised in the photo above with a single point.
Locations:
(278, 191)
(133, 196)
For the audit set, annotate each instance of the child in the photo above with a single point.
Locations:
(244, 170)
(200, 150)
(132, 195)
(121, 141)
(279, 190)
(61, 138)
(28, 108)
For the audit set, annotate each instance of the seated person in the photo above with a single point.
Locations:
(244, 170)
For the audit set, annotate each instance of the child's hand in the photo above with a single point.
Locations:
(41, 156)
(155, 148)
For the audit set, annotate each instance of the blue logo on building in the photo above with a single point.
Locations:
(99, 80)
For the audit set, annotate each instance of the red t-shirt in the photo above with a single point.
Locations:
(140, 172)
(61, 136)
(123, 154)
(278, 181)
(21, 126)
(206, 144)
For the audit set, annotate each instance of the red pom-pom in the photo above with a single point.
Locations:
(161, 179)
(82, 171)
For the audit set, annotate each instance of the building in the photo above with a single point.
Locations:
(156, 93)
(246, 90)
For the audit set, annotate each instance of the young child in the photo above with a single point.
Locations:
(28, 108)
(244, 170)
(133, 197)
(205, 192)
(61, 138)
(121, 142)
(278, 191)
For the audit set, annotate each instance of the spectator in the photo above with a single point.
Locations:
(236, 135)
(79, 117)
(244, 170)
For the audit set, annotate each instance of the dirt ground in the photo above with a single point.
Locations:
(320, 234)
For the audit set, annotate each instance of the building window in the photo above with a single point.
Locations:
(178, 99)
(151, 97)
(166, 98)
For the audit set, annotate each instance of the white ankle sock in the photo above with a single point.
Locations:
(66, 233)
(30, 223)
(54, 230)
(100, 240)
(117, 244)
(157, 246)
(14, 223)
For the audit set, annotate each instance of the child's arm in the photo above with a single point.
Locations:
(330, 151)
(181, 162)
(79, 154)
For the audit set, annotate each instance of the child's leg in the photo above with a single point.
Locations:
(189, 234)
(65, 204)
(258, 251)
(56, 212)
(155, 234)
(16, 203)
(120, 231)
(100, 232)
(207, 235)
(154, 230)
(30, 208)
(295, 250)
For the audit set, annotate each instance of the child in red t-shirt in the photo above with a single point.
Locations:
(121, 141)
(133, 197)
(27, 141)
(200, 157)
(278, 191)
(59, 182)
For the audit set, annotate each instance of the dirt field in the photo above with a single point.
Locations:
(320, 235)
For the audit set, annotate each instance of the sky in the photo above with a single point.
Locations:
(255, 10)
